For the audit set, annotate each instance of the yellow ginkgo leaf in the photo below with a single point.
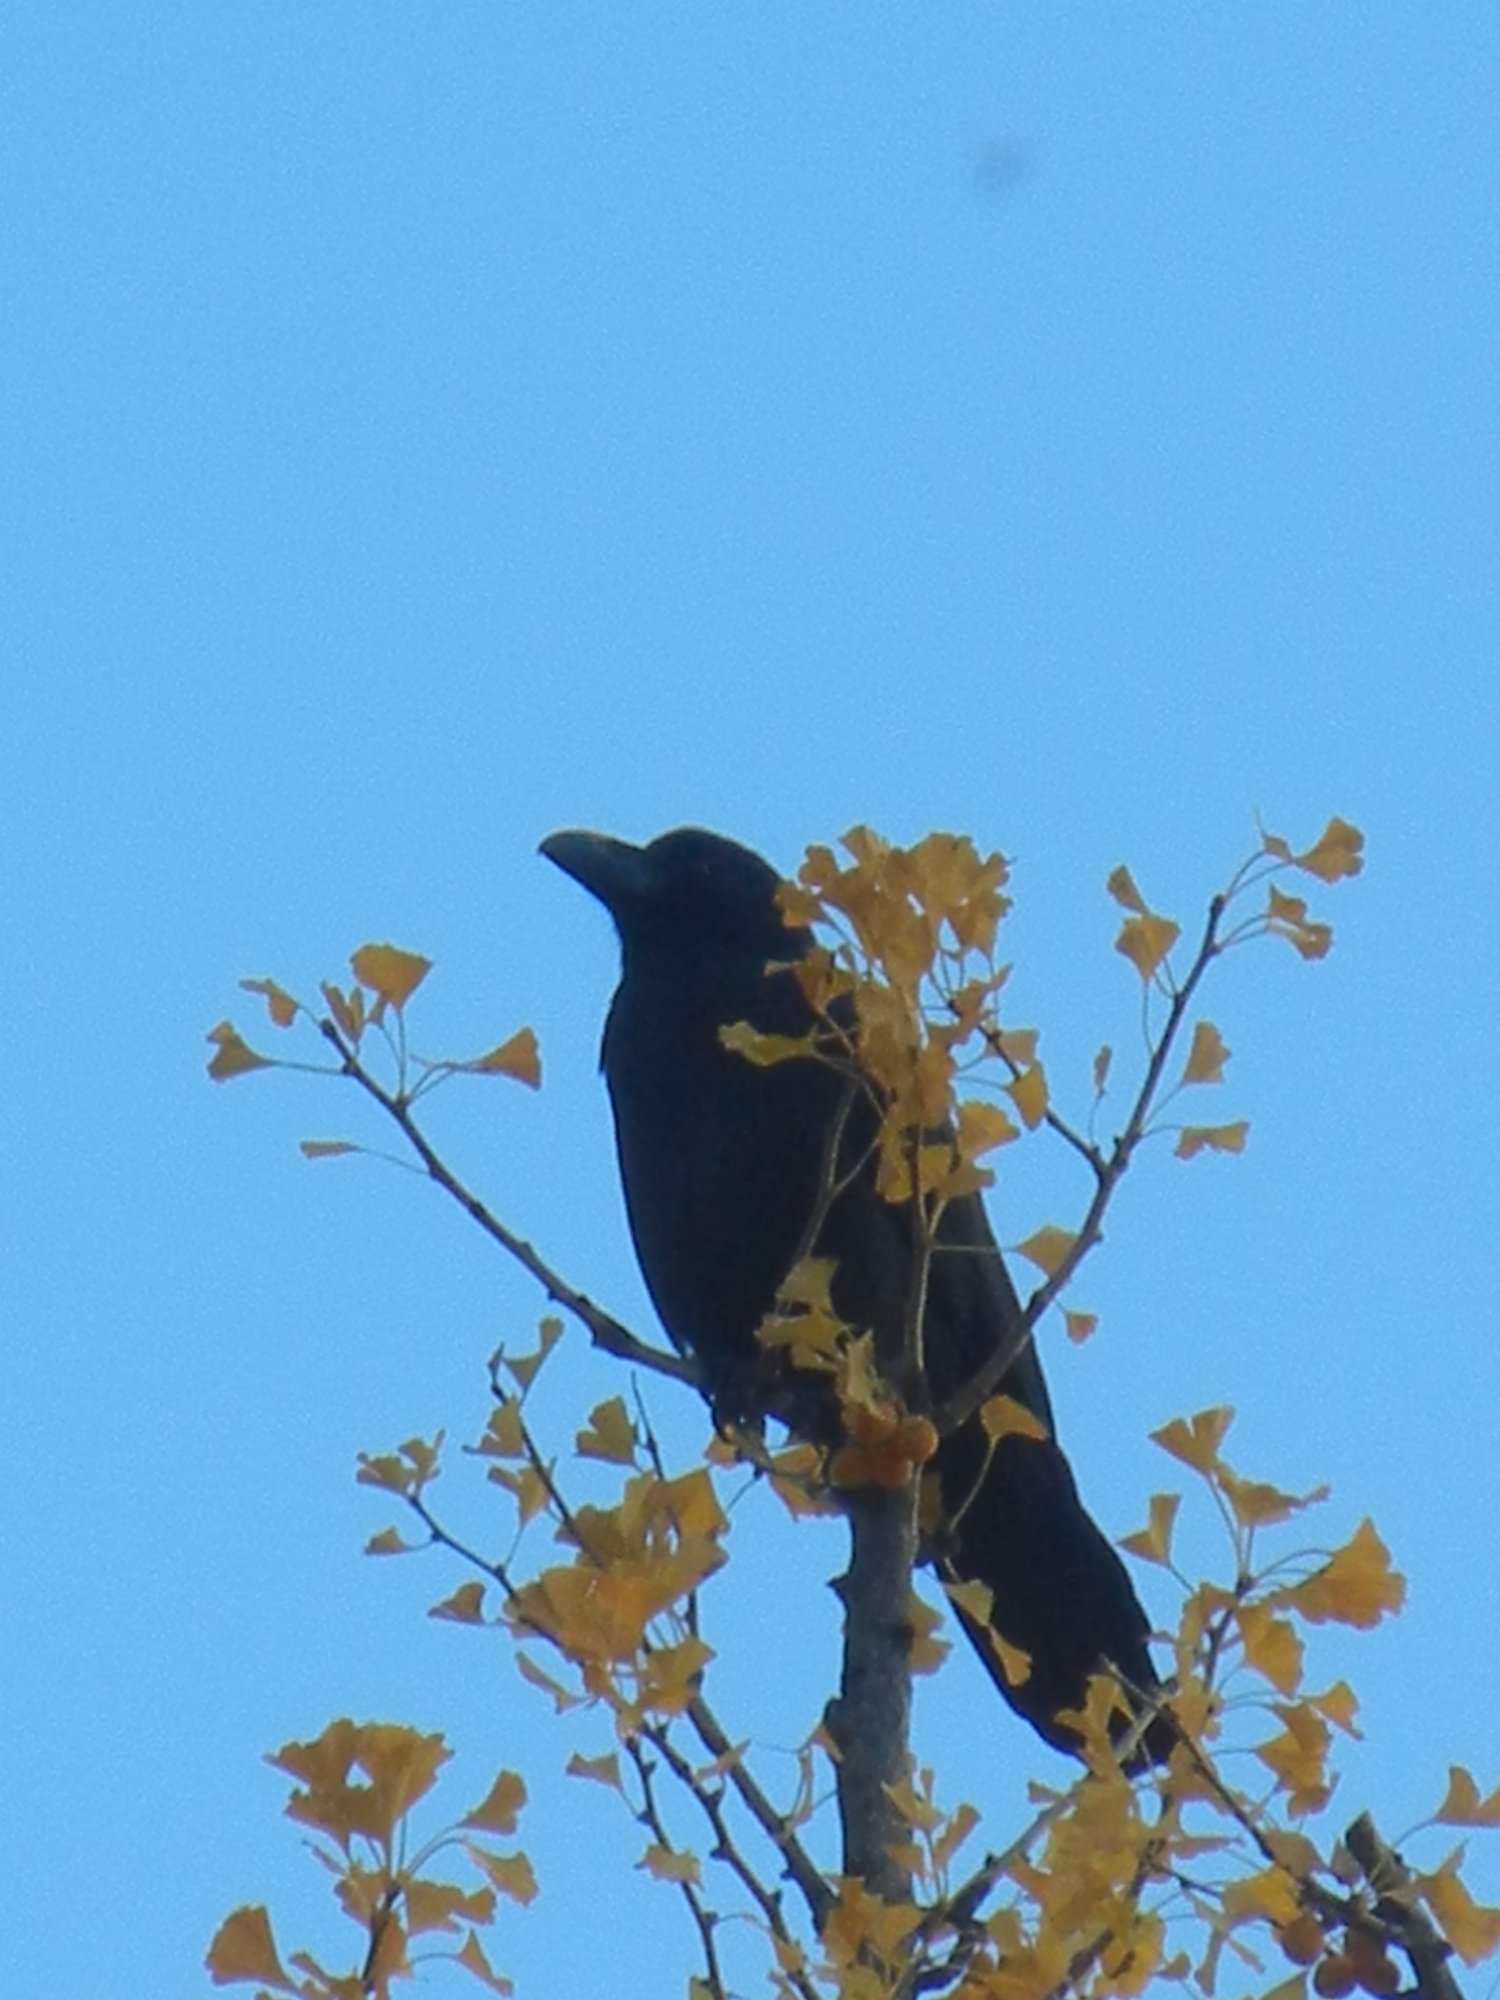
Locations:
(1271, 1646)
(1357, 1586)
(610, 1434)
(511, 1874)
(669, 1864)
(1003, 1417)
(390, 973)
(1145, 941)
(1196, 1439)
(1337, 852)
(982, 1127)
(928, 1650)
(464, 1607)
(280, 1005)
(1028, 1092)
(1462, 1805)
(1121, 886)
(1472, 1929)
(517, 1057)
(232, 1057)
(348, 1014)
(1048, 1248)
(603, 1770)
(1195, 1139)
(1080, 1326)
(1206, 1057)
(1153, 1543)
(500, 1807)
(471, 1957)
(389, 1543)
(243, 1948)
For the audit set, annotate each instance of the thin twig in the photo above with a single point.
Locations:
(799, 1867)
(957, 1410)
(704, 1919)
(605, 1331)
(726, 1851)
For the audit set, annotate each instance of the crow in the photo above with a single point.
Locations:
(724, 1165)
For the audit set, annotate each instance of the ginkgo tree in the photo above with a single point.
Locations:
(1116, 1882)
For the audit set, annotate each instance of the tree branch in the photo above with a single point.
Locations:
(604, 1330)
(869, 1720)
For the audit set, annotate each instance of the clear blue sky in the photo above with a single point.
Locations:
(426, 427)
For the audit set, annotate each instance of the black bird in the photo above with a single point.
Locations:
(723, 1162)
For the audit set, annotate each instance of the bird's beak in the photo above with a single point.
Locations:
(614, 871)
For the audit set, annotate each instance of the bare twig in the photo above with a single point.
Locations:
(703, 1918)
(799, 1867)
(725, 1849)
(957, 1410)
(605, 1331)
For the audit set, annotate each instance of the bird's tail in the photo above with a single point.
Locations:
(1060, 1593)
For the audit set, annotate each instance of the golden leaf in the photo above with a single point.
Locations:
(471, 1957)
(1356, 1587)
(435, 1906)
(1211, 1138)
(498, 1810)
(1122, 887)
(280, 1005)
(1340, 1704)
(562, 1700)
(1196, 1440)
(243, 1948)
(1207, 1056)
(1080, 1326)
(1048, 1248)
(1296, 1757)
(928, 1650)
(464, 1607)
(1028, 1092)
(1017, 1045)
(1145, 941)
(1337, 852)
(766, 1050)
(1472, 1929)
(326, 1149)
(1257, 1505)
(1286, 916)
(526, 1486)
(1002, 1417)
(503, 1434)
(1270, 1894)
(232, 1057)
(1271, 1645)
(518, 1058)
(669, 1865)
(511, 1874)
(610, 1434)
(392, 974)
(389, 1543)
(982, 1127)
(977, 1599)
(524, 1366)
(349, 1015)
(1462, 1805)
(1153, 1543)
(600, 1770)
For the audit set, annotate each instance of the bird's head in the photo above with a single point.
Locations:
(686, 890)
